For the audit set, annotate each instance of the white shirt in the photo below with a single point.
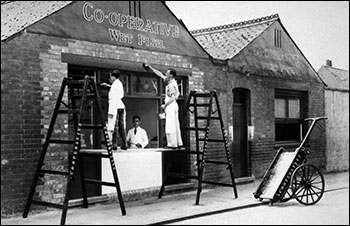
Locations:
(115, 95)
(139, 138)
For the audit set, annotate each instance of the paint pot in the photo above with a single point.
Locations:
(161, 115)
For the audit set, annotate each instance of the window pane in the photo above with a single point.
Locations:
(180, 85)
(280, 108)
(144, 85)
(104, 77)
(294, 108)
(287, 132)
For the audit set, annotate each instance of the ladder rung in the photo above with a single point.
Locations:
(93, 151)
(91, 126)
(186, 152)
(182, 175)
(217, 183)
(211, 140)
(206, 117)
(202, 95)
(100, 152)
(92, 181)
(194, 128)
(62, 141)
(217, 162)
(49, 204)
(199, 105)
(43, 171)
(75, 82)
(67, 111)
(81, 95)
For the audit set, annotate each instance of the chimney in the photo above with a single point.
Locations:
(329, 63)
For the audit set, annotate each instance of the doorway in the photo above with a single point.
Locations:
(240, 154)
(92, 165)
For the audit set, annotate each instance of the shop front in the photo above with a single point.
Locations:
(56, 40)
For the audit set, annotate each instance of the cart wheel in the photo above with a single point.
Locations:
(307, 184)
(288, 196)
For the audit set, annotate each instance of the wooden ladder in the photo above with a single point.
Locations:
(83, 94)
(205, 101)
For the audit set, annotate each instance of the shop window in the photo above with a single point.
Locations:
(144, 85)
(180, 84)
(124, 79)
(289, 115)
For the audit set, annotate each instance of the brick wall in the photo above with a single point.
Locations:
(263, 147)
(31, 76)
(20, 119)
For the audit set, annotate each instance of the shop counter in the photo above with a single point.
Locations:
(136, 169)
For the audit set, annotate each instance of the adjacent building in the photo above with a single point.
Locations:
(337, 111)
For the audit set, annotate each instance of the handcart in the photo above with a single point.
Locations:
(290, 176)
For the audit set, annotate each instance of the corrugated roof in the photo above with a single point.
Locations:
(18, 15)
(224, 42)
(335, 78)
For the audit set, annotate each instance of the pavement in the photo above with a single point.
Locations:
(169, 209)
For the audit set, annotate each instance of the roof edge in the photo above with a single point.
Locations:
(238, 24)
(340, 69)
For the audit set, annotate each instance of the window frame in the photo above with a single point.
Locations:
(288, 95)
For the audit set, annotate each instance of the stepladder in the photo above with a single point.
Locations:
(83, 96)
(207, 143)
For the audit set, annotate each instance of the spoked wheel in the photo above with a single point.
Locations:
(288, 196)
(307, 184)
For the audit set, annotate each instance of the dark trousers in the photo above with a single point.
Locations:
(119, 127)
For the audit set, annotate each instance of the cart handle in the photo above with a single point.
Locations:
(314, 120)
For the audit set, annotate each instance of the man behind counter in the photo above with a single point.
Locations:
(137, 136)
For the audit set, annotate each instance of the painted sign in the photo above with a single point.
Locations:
(138, 24)
(120, 20)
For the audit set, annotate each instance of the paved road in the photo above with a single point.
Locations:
(332, 209)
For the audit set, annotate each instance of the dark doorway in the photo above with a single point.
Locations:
(240, 155)
(92, 165)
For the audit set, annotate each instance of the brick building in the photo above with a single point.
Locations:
(265, 84)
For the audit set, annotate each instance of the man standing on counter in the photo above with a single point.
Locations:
(116, 110)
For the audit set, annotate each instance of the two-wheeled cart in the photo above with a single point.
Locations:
(290, 176)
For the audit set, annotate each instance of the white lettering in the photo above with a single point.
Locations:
(123, 20)
(86, 17)
(131, 22)
(113, 18)
(140, 24)
(97, 18)
(148, 27)
(150, 42)
(116, 35)
(176, 31)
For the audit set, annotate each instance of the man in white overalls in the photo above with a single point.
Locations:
(170, 106)
(116, 110)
